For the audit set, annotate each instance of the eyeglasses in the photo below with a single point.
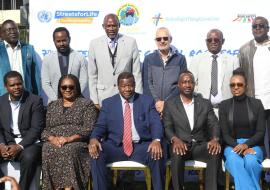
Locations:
(158, 39)
(209, 40)
(232, 85)
(260, 26)
(65, 87)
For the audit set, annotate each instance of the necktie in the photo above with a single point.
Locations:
(112, 46)
(127, 136)
(214, 76)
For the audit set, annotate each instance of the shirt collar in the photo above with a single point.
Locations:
(189, 104)
(15, 101)
(8, 45)
(267, 43)
(114, 40)
(124, 100)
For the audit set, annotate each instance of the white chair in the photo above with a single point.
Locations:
(189, 165)
(130, 165)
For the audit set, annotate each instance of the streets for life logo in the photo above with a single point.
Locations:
(128, 14)
(244, 18)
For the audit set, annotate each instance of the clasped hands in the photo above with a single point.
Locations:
(180, 147)
(9, 152)
(59, 141)
(243, 149)
(154, 148)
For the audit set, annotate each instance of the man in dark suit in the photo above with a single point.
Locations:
(21, 124)
(192, 128)
(130, 126)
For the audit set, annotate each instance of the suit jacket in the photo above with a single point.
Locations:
(256, 119)
(102, 75)
(31, 119)
(176, 121)
(29, 64)
(201, 67)
(50, 72)
(110, 123)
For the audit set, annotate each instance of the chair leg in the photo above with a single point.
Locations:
(227, 181)
(115, 175)
(201, 180)
(167, 177)
(147, 175)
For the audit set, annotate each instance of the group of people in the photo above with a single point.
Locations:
(220, 106)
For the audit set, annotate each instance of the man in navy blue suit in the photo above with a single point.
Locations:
(128, 128)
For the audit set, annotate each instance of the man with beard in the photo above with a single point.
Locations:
(18, 56)
(192, 128)
(64, 61)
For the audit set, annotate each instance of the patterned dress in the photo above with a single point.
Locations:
(69, 165)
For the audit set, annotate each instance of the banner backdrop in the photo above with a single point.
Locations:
(189, 21)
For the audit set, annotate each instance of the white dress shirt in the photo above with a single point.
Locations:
(189, 108)
(15, 108)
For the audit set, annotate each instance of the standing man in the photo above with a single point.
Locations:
(254, 58)
(132, 130)
(192, 128)
(22, 120)
(110, 55)
(18, 56)
(162, 68)
(62, 62)
(212, 70)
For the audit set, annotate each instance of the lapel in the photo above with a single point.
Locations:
(6, 115)
(5, 65)
(25, 56)
(181, 109)
(106, 55)
(224, 61)
(55, 64)
(70, 61)
(119, 112)
(197, 110)
(22, 107)
(136, 108)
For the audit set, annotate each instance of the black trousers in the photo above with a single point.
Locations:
(29, 159)
(196, 151)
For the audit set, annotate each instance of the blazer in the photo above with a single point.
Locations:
(31, 120)
(176, 121)
(162, 81)
(256, 120)
(50, 72)
(201, 67)
(29, 64)
(110, 123)
(102, 75)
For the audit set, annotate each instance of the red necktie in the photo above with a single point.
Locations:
(127, 136)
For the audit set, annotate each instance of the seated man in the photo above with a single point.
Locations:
(21, 124)
(192, 128)
(131, 128)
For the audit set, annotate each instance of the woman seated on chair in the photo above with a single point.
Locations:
(242, 124)
(69, 120)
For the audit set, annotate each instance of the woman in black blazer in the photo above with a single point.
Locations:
(242, 123)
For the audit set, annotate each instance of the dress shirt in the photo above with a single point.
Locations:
(165, 59)
(189, 108)
(261, 67)
(135, 135)
(110, 41)
(15, 108)
(218, 98)
(15, 57)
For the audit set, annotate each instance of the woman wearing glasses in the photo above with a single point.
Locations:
(69, 120)
(242, 124)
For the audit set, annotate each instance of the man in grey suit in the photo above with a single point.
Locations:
(192, 128)
(110, 55)
(212, 70)
(64, 61)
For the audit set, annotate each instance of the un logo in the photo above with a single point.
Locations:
(44, 16)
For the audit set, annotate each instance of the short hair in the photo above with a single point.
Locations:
(261, 18)
(111, 15)
(166, 29)
(12, 74)
(215, 30)
(77, 85)
(125, 75)
(240, 72)
(60, 29)
(186, 72)
(8, 22)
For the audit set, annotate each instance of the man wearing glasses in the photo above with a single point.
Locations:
(254, 58)
(161, 69)
(212, 70)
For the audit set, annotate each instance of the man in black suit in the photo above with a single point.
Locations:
(192, 128)
(21, 124)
